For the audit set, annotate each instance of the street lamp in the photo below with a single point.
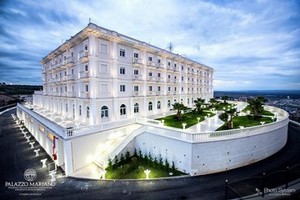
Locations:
(183, 125)
(147, 172)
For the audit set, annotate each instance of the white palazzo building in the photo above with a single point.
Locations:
(101, 91)
(101, 76)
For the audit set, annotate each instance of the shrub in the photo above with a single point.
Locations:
(127, 156)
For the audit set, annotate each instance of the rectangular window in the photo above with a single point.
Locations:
(86, 88)
(136, 88)
(150, 88)
(104, 68)
(158, 60)
(169, 76)
(150, 73)
(136, 72)
(169, 64)
(136, 55)
(122, 88)
(169, 89)
(158, 75)
(103, 48)
(158, 88)
(149, 58)
(122, 70)
(72, 71)
(86, 68)
(66, 88)
(122, 52)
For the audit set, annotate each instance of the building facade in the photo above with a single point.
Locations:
(100, 76)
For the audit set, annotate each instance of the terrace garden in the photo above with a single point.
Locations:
(138, 166)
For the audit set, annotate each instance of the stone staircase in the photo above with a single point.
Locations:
(114, 146)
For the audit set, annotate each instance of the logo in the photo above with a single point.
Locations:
(30, 175)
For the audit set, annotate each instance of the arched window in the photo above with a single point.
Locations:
(104, 111)
(169, 103)
(87, 112)
(122, 109)
(80, 110)
(158, 105)
(136, 108)
(150, 106)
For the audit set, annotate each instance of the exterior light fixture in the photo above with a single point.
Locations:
(147, 172)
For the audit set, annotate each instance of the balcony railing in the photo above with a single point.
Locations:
(151, 78)
(159, 66)
(71, 76)
(150, 93)
(84, 94)
(136, 93)
(151, 64)
(84, 56)
(137, 61)
(159, 93)
(84, 74)
(160, 79)
(70, 61)
(71, 94)
(137, 77)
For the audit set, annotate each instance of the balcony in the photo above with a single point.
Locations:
(137, 62)
(169, 68)
(150, 93)
(70, 61)
(151, 64)
(85, 95)
(136, 93)
(71, 94)
(158, 93)
(159, 66)
(84, 74)
(84, 56)
(71, 77)
(137, 77)
(151, 78)
(160, 79)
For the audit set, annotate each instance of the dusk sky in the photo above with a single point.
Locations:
(252, 45)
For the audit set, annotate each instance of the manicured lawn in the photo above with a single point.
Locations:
(246, 121)
(221, 105)
(189, 118)
(131, 170)
(265, 112)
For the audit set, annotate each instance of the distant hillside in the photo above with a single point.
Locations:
(18, 89)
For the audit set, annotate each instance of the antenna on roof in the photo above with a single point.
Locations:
(170, 46)
(90, 20)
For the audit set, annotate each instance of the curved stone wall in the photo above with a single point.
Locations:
(205, 153)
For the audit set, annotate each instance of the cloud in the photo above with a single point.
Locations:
(250, 44)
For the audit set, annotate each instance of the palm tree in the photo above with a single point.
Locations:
(199, 103)
(225, 98)
(231, 114)
(179, 107)
(256, 105)
(213, 101)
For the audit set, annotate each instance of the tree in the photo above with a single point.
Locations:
(256, 105)
(179, 107)
(213, 101)
(173, 167)
(122, 158)
(127, 155)
(231, 112)
(199, 104)
(225, 98)
(116, 160)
